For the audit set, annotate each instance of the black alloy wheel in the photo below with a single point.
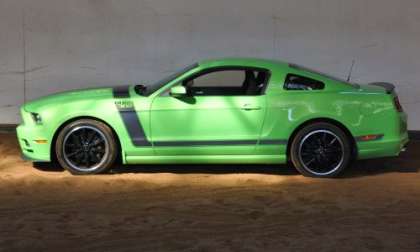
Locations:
(86, 147)
(321, 150)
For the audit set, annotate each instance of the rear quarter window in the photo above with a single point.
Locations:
(297, 82)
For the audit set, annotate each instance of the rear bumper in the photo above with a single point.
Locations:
(382, 148)
(32, 150)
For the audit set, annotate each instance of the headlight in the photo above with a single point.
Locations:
(37, 118)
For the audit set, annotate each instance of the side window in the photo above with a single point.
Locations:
(228, 78)
(296, 82)
(228, 82)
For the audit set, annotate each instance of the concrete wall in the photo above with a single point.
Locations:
(79, 43)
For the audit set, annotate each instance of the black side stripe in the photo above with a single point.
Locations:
(136, 132)
(121, 92)
(217, 143)
(134, 127)
(273, 142)
(130, 119)
(204, 143)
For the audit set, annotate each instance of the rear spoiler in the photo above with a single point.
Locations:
(390, 88)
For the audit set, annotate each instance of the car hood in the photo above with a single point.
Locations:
(67, 97)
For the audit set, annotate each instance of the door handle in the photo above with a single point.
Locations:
(250, 107)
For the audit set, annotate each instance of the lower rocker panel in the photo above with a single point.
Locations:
(216, 159)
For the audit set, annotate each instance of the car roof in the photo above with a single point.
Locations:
(250, 62)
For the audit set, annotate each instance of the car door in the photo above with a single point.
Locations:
(221, 114)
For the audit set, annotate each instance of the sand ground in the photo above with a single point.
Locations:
(374, 207)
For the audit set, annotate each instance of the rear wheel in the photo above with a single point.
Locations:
(321, 150)
(86, 147)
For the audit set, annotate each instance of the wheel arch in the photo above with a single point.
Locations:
(57, 132)
(324, 120)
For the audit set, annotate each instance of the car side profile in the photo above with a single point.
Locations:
(226, 111)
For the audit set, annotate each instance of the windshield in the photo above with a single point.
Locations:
(150, 89)
(295, 66)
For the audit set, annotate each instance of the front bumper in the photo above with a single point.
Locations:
(31, 150)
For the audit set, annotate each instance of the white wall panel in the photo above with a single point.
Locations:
(80, 43)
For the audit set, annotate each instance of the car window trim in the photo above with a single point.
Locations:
(170, 78)
(232, 67)
(301, 76)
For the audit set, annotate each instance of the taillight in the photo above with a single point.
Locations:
(398, 104)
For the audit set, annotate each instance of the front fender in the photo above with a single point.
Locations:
(54, 118)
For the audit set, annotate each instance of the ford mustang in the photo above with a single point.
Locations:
(226, 111)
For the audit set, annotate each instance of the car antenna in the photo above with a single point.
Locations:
(351, 70)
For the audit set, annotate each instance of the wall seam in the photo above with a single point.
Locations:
(24, 53)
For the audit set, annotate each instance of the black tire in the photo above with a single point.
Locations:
(321, 150)
(86, 147)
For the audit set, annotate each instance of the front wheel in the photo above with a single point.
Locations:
(86, 147)
(321, 150)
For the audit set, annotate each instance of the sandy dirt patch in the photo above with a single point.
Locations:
(375, 206)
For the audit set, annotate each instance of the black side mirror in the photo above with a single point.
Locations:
(140, 89)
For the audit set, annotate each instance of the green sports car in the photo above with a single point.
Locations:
(247, 111)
